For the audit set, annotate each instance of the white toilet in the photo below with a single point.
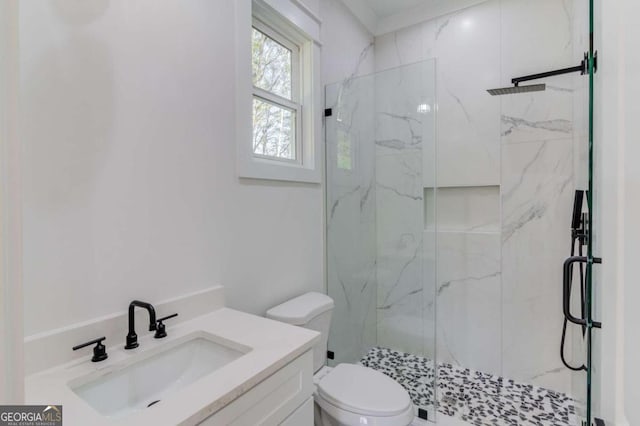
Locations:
(348, 394)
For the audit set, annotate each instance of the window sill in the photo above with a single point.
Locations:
(261, 168)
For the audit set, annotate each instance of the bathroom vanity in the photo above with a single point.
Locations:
(221, 368)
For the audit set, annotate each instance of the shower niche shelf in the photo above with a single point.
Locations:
(469, 209)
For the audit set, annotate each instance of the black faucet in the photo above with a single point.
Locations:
(132, 337)
(99, 351)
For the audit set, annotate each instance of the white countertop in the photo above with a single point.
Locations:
(273, 345)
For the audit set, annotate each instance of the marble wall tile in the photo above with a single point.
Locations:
(539, 177)
(537, 37)
(467, 47)
(401, 126)
(399, 48)
(537, 199)
(536, 34)
(399, 219)
(469, 209)
(534, 116)
(399, 262)
(468, 300)
(429, 288)
(468, 62)
(581, 94)
(407, 46)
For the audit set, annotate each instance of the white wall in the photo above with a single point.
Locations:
(618, 131)
(130, 182)
(347, 46)
(630, 85)
(11, 349)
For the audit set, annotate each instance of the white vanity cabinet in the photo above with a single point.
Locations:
(284, 398)
(223, 368)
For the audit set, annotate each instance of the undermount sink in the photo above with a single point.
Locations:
(151, 377)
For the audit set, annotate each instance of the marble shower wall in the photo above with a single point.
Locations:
(466, 46)
(506, 171)
(538, 183)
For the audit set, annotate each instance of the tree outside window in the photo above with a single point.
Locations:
(276, 110)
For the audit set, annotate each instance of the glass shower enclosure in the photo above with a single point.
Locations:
(380, 160)
(454, 287)
(446, 233)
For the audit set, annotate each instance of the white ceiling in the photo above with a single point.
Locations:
(383, 16)
(384, 8)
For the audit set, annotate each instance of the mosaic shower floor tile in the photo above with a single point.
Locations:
(475, 397)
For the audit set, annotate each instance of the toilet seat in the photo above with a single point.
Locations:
(355, 395)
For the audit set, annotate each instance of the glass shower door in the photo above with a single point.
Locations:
(380, 133)
(350, 218)
(585, 307)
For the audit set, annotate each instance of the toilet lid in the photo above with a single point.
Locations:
(364, 391)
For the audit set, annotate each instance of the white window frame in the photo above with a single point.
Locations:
(294, 104)
(291, 21)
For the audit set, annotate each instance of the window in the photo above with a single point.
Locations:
(278, 91)
(277, 116)
(344, 154)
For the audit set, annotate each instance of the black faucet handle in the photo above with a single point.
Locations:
(161, 330)
(167, 317)
(99, 351)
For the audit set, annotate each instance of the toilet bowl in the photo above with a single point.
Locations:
(347, 394)
(351, 394)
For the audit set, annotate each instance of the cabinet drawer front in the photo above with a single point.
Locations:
(303, 416)
(272, 400)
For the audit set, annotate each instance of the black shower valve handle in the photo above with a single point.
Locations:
(161, 330)
(99, 351)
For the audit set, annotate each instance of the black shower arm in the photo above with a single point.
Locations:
(582, 69)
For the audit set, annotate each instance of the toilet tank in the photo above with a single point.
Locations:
(312, 311)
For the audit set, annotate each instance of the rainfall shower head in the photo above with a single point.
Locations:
(582, 69)
(517, 89)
